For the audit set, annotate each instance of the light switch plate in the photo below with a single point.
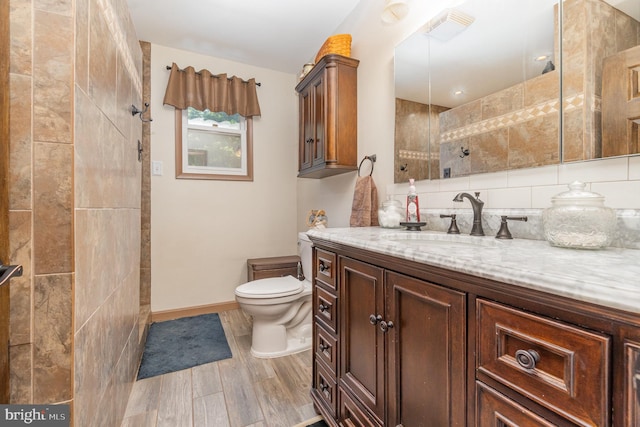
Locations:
(156, 168)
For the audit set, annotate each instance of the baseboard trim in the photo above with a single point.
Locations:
(160, 316)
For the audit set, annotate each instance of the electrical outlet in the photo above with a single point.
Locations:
(446, 173)
(156, 168)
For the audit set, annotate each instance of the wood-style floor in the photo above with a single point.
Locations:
(239, 392)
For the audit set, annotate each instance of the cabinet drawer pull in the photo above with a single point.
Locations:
(309, 141)
(527, 358)
(324, 389)
(323, 308)
(324, 268)
(373, 319)
(385, 326)
(323, 347)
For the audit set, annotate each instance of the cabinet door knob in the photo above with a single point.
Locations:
(323, 347)
(323, 308)
(373, 319)
(385, 326)
(527, 358)
(324, 268)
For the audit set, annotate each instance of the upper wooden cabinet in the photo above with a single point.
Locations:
(328, 118)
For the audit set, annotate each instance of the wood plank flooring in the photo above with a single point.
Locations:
(243, 391)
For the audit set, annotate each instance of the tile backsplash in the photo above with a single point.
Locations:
(529, 191)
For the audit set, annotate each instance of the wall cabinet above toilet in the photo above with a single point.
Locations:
(328, 141)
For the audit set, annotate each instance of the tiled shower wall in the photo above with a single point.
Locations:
(75, 205)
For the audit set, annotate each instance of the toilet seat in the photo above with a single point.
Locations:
(272, 287)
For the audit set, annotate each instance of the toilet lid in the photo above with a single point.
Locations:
(271, 287)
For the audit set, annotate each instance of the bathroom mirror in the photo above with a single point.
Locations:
(472, 99)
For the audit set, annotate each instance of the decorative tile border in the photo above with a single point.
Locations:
(413, 155)
(514, 117)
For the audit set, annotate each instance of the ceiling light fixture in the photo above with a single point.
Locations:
(394, 11)
(448, 24)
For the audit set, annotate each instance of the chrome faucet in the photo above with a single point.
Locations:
(477, 205)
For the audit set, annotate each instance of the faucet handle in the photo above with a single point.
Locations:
(477, 193)
(503, 232)
(453, 228)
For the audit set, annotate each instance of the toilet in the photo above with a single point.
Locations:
(280, 308)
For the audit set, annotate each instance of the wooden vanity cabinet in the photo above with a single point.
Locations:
(400, 343)
(402, 349)
(328, 117)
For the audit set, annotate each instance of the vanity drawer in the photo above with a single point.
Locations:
(325, 308)
(494, 409)
(563, 368)
(325, 387)
(326, 348)
(325, 268)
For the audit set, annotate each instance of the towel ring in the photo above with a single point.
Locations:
(372, 159)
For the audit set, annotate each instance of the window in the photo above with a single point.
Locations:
(213, 145)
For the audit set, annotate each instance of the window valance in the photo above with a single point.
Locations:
(203, 90)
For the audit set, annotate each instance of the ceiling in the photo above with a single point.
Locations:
(280, 35)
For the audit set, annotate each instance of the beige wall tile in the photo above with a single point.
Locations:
(61, 7)
(20, 240)
(21, 33)
(96, 257)
(52, 77)
(534, 142)
(102, 62)
(543, 88)
(20, 147)
(489, 152)
(503, 102)
(21, 373)
(52, 338)
(82, 45)
(53, 199)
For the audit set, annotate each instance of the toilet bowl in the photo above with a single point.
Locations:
(280, 308)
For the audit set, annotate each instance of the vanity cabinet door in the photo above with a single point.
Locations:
(361, 339)
(632, 394)
(426, 350)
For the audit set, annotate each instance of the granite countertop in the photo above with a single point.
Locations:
(607, 277)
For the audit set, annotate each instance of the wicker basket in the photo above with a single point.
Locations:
(339, 44)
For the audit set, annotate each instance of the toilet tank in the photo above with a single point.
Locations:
(305, 254)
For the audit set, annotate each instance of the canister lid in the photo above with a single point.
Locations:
(271, 287)
(578, 195)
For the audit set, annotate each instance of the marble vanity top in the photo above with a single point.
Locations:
(607, 277)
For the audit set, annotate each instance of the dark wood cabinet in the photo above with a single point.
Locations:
(402, 348)
(362, 342)
(426, 356)
(401, 343)
(328, 118)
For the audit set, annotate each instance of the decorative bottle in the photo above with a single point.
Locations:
(413, 208)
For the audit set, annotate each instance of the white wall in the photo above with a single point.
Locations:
(203, 231)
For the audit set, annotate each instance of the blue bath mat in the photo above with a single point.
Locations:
(182, 344)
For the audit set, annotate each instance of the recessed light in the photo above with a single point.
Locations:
(542, 57)
(458, 92)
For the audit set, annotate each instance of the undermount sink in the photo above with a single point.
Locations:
(441, 240)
